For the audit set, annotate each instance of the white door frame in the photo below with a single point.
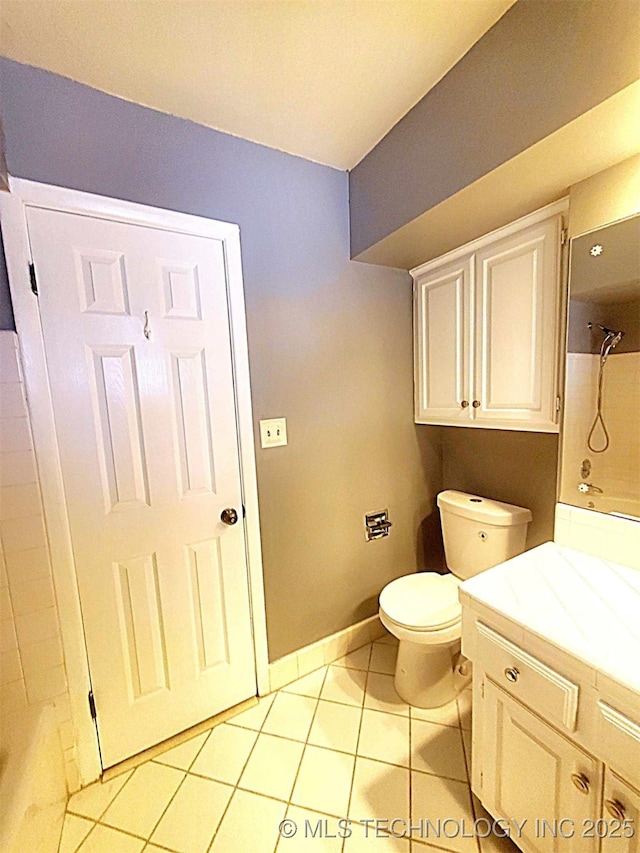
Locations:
(13, 207)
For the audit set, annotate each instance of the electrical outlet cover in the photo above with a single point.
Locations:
(273, 432)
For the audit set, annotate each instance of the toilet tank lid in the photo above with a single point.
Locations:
(482, 509)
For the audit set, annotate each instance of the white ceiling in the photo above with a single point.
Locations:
(323, 79)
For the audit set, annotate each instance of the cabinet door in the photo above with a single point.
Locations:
(517, 301)
(621, 803)
(531, 772)
(442, 344)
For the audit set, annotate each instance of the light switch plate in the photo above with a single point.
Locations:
(273, 432)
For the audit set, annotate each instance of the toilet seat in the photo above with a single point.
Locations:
(422, 602)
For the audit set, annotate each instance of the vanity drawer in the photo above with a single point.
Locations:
(527, 678)
(619, 740)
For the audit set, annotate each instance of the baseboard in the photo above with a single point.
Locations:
(325, 651)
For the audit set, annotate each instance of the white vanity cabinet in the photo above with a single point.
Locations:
(536, 774)
(622, 802)
(487, 325)
(556, 699)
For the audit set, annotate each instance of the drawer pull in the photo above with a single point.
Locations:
(615, 809)
(581, 782)
(511, 673)
(537, 682)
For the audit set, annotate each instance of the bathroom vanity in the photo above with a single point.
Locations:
(554, 636)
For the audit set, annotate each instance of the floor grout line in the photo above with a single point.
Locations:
(78, 846)
(288, 803)
(355, 763)
(410, 769)
(244, 767)
(302, 754)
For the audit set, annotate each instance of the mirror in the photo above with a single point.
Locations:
(600, 467)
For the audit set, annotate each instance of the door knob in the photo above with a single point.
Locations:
(581, 782)
(476, 404)
(464, 404)
(511, 673)
(229, 515)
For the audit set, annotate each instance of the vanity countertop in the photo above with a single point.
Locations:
(584, 605)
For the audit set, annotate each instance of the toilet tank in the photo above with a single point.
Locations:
(479, 532)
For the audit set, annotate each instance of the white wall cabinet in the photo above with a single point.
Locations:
(487, 325)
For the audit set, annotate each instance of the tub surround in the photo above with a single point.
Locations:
(32, 666)
(33, 793)
(598, 533)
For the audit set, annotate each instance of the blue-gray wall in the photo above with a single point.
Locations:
(329, 339)
(544, 63)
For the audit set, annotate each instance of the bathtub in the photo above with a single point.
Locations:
(627, 507)
(33, 790)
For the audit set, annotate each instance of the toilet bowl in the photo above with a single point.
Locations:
(422, 609)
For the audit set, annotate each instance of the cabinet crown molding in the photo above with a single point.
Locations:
(557, 207)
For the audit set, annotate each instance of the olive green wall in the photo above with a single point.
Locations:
(516, 467)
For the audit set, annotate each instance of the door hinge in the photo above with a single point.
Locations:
(32, 279)
(558, 403)
(244, 511)
(564, 236)
(92, 706)
(482, 688)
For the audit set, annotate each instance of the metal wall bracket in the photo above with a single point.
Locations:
(377, 525)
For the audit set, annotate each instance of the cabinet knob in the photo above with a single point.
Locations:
(476, 404)
(581, 782)
(615, 809)
(464, 404)
(511, 673)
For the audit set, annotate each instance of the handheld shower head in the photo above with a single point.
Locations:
(606, 330)
(611, 339)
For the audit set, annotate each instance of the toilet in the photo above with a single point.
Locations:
(422, 609)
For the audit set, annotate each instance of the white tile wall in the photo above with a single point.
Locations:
(32, 669)
(597, 533)
(617, 470)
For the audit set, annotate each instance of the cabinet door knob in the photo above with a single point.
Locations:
(615, 809)
(581, 782)
(476, 404)
(511, 673)
(464, 404)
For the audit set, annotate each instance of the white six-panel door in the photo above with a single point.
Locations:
(136, 331)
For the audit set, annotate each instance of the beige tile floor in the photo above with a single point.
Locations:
(338, 744)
